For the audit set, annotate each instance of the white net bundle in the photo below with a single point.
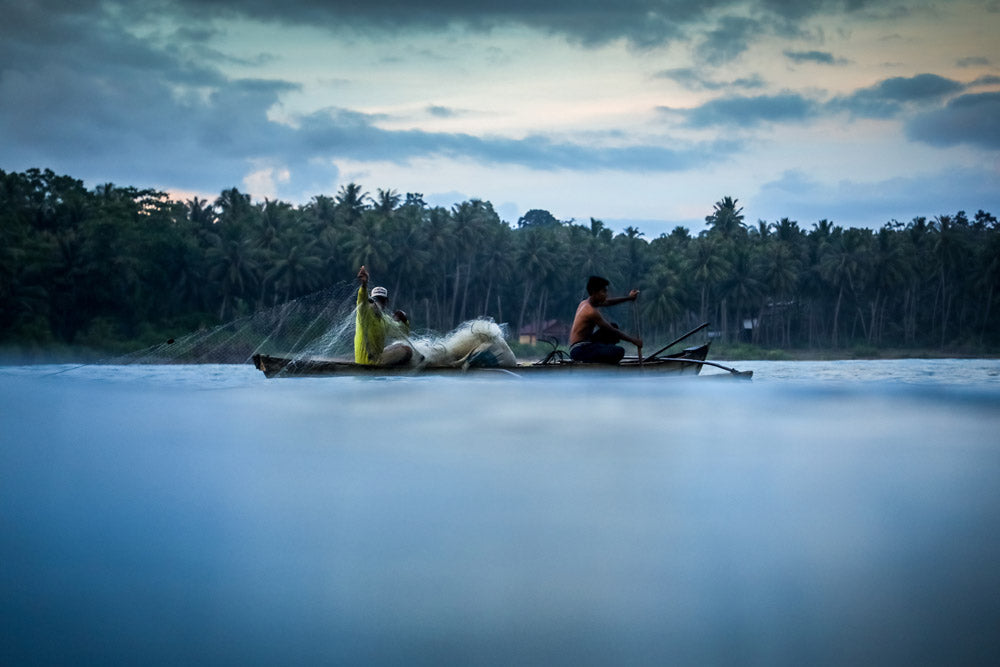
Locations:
(479, 342)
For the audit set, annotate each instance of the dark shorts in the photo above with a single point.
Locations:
(597, 353)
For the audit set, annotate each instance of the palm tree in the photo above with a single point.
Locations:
(599, 231)
(726, 219)
(778, 270)
(408, 249)
(189, 287)
(761, 231)
(844, 266)
(296, 270)
(987, 279)
(200, 213)
(632, 255)
(741, 285)
(387, 201)
(920, 297)
(232, 205)
(787, 231)
(496, 264)
(890, 270)
(950, 252)
(233, 265)
(367, 244)
(273, 222)
(331, 247)
(536, 259)
(709, 267)
(660, 304)
(437, 230)
(351, 203)
(471, 221)
(589, 248)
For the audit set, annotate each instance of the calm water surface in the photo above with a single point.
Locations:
(827, 512)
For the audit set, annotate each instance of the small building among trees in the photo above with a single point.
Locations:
(535, 331)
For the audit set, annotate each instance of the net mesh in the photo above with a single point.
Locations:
(318, 326)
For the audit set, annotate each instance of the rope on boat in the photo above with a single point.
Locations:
(555, 356)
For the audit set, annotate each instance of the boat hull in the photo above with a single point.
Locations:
(689, 362)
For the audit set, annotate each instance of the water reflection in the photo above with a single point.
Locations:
(199, 516)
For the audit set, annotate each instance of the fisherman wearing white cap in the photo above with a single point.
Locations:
(373, 324)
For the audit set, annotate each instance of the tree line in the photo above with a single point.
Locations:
(85, 266)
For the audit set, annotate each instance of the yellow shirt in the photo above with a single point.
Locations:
(371, 326)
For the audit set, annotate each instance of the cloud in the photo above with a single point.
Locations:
(138, 92)
(348, 134)
(818, 57)
(729, 40)
(986, 80)
(695, 80)
(745, 112)
(108, 101)
(439, 111)
(158, 112)
(642, 23)
(967, 119)
(81, 93)
(871, 204)
(95, 117)
(265, 181)
(890, 96)
(972, 119)
(973, 61)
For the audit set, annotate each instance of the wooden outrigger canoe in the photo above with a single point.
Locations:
(689, 362)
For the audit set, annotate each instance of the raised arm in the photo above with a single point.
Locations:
(363, 290)
(632, 296)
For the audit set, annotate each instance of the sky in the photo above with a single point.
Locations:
(635, 112)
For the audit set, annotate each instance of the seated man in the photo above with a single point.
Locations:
(594, 339)
(373, 324)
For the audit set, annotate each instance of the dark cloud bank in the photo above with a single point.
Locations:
(926, 103)
(80, 93)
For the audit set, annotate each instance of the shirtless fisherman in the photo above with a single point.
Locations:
(594, 339)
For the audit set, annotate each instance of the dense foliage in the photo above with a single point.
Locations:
(91, 267)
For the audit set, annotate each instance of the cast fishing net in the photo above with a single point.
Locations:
(321, 322)
(321, 326)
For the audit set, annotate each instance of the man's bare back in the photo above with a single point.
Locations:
(587, 318)
(590, 327)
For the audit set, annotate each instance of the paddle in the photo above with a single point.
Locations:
(638, 328)
(667, 347)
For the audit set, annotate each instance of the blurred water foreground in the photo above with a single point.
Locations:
(830, 512)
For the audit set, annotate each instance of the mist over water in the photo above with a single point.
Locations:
(827, 512)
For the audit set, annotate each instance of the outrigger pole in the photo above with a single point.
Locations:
(688, 334)
(742, 374)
